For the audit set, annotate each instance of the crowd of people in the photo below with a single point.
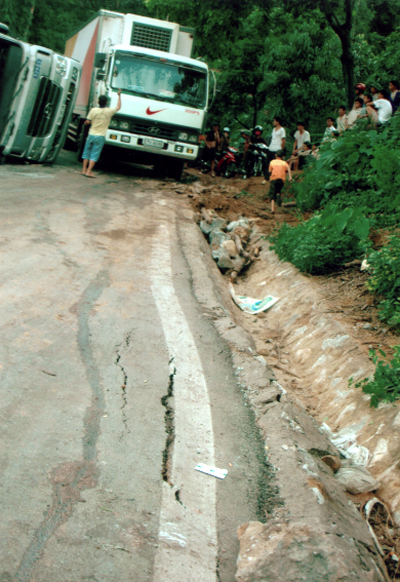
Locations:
(376, 106)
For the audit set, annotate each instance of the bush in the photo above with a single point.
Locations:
(385, 384)
(385, 280)
(324, 242)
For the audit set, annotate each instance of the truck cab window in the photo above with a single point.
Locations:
(160, 80)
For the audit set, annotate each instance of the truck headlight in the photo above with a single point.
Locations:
(74, 74)
(193, 138)
(114, 123)
(61, 66)
(182, 136)
(124, 124)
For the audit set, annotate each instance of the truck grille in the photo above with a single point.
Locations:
(151, 37)
(44, 109)
(148, 128)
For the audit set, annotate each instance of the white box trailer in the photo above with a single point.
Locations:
(38, 89)
(164, 91)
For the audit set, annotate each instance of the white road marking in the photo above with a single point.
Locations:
(188, 536)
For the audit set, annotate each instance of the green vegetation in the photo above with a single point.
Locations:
(385, 280)
(324, 242)
(385, 384)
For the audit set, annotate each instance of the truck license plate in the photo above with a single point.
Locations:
(155, 143)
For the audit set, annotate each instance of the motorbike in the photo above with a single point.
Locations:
(229, 163)
(257, 160)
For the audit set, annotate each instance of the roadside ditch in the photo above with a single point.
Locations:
(294, 364)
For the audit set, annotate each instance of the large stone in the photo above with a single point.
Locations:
(230, 247)
(217, 237)
(281, 551)
(217, 223)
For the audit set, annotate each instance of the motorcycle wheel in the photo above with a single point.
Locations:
(230, 170)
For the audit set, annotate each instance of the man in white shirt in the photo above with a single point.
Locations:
(341, 121)
(382, 104)
(330, 131)
(300, 137)
(278, 142)
(355, 112)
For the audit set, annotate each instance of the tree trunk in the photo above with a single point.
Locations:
(343, 30)
(347, 60)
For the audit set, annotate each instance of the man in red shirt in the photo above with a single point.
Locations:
(278, 169)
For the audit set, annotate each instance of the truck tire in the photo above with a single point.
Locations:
(160, 168)
(175, 169)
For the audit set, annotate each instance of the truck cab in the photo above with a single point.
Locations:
(164, 98)
(37, 90)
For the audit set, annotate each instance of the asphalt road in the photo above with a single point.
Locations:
(113, 385)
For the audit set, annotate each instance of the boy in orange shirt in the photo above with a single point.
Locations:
(277, 170)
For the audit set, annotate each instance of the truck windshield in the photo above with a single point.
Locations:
(160, 80)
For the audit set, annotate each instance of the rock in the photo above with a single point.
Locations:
(222, 259)
(230, 247)
(367, 326)
(217, 237)
(332, 461)
(225, 263)
(242, 222)
(217, 223)
(244, 233)
(196, 188)
(270, 394)
(301, 552)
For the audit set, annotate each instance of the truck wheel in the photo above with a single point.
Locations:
(175, 169)
(160, 168)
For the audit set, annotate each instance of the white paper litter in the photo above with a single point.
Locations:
(213, 471)
(250, 305)
(346, 443)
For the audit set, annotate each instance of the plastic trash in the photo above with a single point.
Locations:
(213, 471)
(357, 479)
(250, 305)
(346, 443)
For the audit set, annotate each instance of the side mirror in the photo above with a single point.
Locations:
(100, 75)
(100, 60)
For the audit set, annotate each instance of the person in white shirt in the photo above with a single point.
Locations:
(341, 122)
(382, 104)
(330, 131)
(356, 112)
(300, 137)
(278, 142)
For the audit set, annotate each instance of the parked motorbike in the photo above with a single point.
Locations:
(257, 160)
(229, 163)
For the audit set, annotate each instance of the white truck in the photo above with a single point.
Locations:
(38, 89)
(165, 93)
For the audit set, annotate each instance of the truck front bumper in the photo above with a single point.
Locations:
(146, 144)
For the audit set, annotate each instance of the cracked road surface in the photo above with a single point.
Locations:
(114, 385)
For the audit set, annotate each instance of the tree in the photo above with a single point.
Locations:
(342, 26)
(17, 14)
